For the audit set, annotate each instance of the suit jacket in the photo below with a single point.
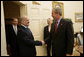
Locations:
(26, 42)
(46, 39)
(46, 34)
(11, 39)
(63, 39)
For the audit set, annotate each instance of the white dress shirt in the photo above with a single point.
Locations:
(59, 21)
(15, 29)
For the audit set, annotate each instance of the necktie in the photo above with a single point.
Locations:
(16, 30)
(56, 27)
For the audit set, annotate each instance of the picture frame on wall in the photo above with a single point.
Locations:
(79, 17)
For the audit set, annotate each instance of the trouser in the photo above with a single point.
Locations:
(48, 50)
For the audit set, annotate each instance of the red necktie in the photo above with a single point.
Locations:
(56, 27)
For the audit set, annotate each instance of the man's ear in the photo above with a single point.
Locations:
(22, 21)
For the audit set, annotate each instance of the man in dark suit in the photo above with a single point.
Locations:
(47, 30)
(62, 34)
(11, 37)
(26, 41)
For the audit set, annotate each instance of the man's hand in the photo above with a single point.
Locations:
(43, 43)
(68, 55)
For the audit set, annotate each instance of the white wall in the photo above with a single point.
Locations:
(3, 39)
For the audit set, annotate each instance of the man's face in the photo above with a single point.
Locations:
(15, 21)
(26, 22)
(55, 15)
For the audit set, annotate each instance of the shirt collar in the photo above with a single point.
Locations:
(14, 25)
(24, 26)
(59, 19)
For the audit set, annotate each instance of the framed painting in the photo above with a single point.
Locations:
(78, 17)
(35, 3)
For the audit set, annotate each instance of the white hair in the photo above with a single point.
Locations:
(22, 19)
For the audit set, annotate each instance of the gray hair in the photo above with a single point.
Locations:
(58, 10)
(21, 19)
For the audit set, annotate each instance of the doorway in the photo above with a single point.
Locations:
(11, 9)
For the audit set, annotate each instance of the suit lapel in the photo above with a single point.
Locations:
(48, 29)
(53, 28)
(17, 29)
(25, 30)
(59, 26)
(13, 29)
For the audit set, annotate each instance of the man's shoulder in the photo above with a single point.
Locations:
(53, 23)
(20, 27)
(9, 25)
(46, 26)
(67, 20)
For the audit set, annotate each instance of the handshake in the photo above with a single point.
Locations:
(43, 43)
